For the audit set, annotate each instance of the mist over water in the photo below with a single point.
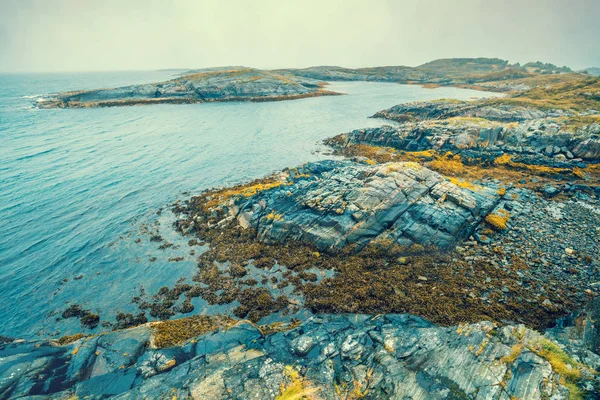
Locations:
(80, 188)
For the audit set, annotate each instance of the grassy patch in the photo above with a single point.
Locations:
(572, 124)
(514, 354)
(564, 91)
(462, 121)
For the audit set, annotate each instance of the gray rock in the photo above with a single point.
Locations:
(387, 356)
(302, 345)
(401, 204)
(550, 191)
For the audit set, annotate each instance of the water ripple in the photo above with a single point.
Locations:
(78, 186)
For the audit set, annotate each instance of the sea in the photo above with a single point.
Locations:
(83, 190)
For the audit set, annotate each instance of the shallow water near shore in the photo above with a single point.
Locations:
(80, 188)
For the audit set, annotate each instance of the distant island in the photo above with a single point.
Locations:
(594, 71)
(201, 86)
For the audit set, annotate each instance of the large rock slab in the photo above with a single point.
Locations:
(443, 109)
(458, 126)
(328, 356)
(334, 204)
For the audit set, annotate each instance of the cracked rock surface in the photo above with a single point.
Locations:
(332, 204)
(387, 356)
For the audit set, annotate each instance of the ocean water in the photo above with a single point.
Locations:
(82, 190)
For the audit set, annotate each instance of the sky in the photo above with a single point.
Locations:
(104, 35)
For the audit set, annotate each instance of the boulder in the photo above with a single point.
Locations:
(333, 204)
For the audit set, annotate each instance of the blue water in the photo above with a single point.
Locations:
(80, 189)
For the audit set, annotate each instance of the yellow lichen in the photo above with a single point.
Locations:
(498, 220)
(448, 164)
(273, 216)
(417, 155)
(248, 190)
(465, 184)
(482, 347)
(516, 351)
(506, 160)
(560, 361)
(298, 388)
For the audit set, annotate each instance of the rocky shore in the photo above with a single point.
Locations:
(430, 257)
(327, 357)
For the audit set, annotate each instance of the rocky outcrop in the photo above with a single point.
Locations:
(580, 329)
(443, 109)
(241, 84)
(459, 127)
(334, 204)
(327, 357)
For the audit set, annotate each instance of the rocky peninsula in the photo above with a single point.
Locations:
(431, 255)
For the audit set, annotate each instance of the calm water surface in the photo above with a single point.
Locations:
(80, 189)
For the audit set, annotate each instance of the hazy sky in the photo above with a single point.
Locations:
(86, 35)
